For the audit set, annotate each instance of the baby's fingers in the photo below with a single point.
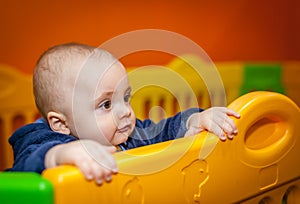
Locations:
(94, 171)
(218, 131)
(106, 159)
(111, 149)
(231, 112)
(229, 127)
(101, 174)
(86, 170)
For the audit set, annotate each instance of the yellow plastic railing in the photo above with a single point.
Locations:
(260, 165)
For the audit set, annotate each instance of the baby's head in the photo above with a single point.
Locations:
(84, 91)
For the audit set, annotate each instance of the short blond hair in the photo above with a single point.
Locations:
(49, 71)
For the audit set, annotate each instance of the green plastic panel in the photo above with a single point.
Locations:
(262, 77)
(25, 188)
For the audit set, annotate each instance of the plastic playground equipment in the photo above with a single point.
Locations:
(258, 166)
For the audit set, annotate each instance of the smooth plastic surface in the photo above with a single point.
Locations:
(25, 188)
(261, 160)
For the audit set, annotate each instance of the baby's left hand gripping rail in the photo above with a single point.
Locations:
(259, 164)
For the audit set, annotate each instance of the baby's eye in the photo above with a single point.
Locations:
(105, 105)
(127, 98)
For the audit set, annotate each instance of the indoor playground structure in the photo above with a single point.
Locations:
(259, 166)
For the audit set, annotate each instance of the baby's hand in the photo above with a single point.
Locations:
(215, 120)
(94, 160)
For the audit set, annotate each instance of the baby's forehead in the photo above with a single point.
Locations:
(89, 65)
(97, 60)
(94, 71)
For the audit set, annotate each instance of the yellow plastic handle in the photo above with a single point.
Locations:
(267, 129)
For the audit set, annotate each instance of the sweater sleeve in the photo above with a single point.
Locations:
(147, 132)
(30, 144)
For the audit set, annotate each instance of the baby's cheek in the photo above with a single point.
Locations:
(107, 128)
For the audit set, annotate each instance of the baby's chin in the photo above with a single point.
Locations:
(120, 138)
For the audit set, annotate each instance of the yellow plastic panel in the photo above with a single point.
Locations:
(17, 108)
(162, 91)
(232, 76)
(288, 193)
(263, 157)
(291, 73)
(158, 92)
(193, 70)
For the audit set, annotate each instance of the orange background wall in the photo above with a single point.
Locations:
(248, 30)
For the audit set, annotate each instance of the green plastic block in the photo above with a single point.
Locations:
(262, 77)
(25, 188)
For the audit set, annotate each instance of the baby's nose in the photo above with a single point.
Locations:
(122, 111)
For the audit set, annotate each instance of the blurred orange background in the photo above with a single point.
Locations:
(247, 30)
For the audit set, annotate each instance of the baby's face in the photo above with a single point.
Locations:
(101, 107)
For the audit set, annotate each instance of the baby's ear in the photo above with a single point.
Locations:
(57, 122)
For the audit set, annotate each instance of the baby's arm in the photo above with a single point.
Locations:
(215, 120)
(94, 160)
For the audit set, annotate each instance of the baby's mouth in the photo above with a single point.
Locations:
(124, 129)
